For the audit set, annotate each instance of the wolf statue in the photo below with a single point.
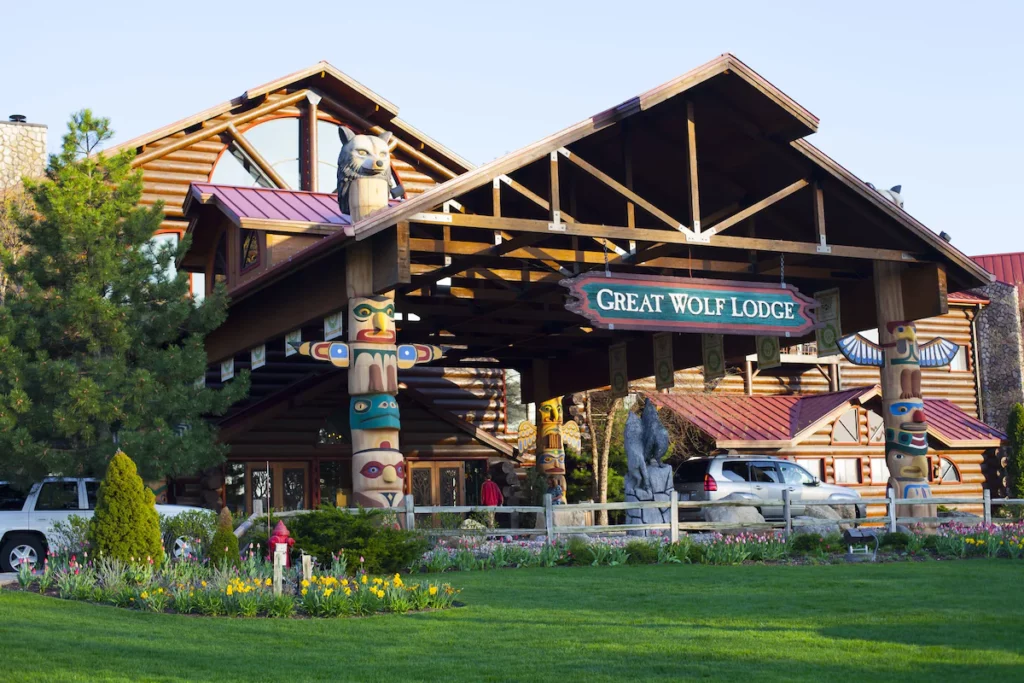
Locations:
(364, 156)
(647, 478)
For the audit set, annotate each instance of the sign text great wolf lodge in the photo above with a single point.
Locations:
(676, 304)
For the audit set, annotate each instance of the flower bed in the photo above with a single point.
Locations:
(950, 541)
(189, 586)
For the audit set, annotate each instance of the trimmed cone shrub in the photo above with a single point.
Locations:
(125, 525)
(224, 546)
(1015, 452)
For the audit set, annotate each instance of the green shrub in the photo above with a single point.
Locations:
(578, 551)
(69, 537)
(383, 547)
(125, 525)
(224, 546)
(1015, 452)
(642, 552)
(895, 540)
(807, 544)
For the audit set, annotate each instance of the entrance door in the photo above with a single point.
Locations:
(438, 483)
(280, 485)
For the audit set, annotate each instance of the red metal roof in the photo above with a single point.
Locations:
(967, 298)
(1008, 268)
(953, 426)
(730, 418)
(734, 420)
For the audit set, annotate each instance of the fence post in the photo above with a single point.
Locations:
(410, 513)
(787, 512)
(279, 554)
(890, 498)
(549, 519)
(674, 520)
(988, 506)
(307, 566)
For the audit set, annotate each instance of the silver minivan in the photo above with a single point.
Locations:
(758, 477)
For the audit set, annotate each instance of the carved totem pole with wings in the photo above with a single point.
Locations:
(906, 426)
(554, 436)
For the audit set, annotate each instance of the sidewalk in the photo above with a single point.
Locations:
(9, 577)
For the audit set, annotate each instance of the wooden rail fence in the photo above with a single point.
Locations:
(552, 530)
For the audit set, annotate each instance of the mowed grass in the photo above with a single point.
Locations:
(931, 621)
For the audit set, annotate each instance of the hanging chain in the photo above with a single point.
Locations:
(607, 271)
(782, 269)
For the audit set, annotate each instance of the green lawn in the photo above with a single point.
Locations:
(931, 621)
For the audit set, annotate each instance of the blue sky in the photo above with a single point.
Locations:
(923, 94)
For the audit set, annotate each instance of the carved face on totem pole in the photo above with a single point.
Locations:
(373, 369)
(378, 477)
(551, 455)
(372, 319)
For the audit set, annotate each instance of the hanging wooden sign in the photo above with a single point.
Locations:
(713, 351)
(258, 356)
(675, 304)
(664, 368)
(292, 341)
(618, 377)
(768, 353)
(830, 328)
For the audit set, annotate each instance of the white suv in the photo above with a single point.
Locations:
(760, 478)
(26, 520)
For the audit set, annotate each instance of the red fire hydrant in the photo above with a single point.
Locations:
(280, 535)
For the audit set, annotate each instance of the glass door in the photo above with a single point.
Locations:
(277, 485)
(438, 483)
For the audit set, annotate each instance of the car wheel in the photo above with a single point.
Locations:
(20, 549)
(181, 547)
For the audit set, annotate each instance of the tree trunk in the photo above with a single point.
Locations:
(609, 426)
(593, 447)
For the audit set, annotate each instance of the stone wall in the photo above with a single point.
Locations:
(1000, 353)
(22, 152)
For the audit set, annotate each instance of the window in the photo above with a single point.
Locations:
(92, 488)
(335, 482)
(847, 470)
(250, 249)
(879, 471)
(764, 472)
(277, 141)
(847, 428)
(11, 499)
(58, 495)
(959, 362)
(816, 466)
(792, 474)
(948, 473)
(735, 470)
(157, 244)
(692, 471)
(876, 428)
(234, 486)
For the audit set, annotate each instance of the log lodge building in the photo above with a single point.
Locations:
(709, 175)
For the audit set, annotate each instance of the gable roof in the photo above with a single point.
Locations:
(778, 113)
(741, 421)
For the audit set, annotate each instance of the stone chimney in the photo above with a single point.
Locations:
(22, 150)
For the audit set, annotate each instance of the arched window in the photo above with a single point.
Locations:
(846, 429)
(876, 428)
(948, 473)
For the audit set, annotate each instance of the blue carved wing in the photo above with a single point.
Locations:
(860, 351)
(937, 352)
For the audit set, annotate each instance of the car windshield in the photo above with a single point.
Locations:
(692, 471)
(793, 474)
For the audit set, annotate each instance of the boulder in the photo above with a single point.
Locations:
(745, 514)
(845, 511)
(814, 525)
(566, 518)
(826, 513)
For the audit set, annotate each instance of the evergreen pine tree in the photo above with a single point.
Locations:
(100, 342)
(125, 525)
(1015, 452)
(224, 546)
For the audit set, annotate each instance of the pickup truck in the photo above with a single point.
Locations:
(26, 520)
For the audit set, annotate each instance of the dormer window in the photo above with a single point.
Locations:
(250, 249)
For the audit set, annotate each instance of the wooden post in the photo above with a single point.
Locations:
(307, 566)
(906, 446)
(549, 519)
(410, 513)
(787, 511)
(691, 141)
(890, 500)
(674, 520)
(279, 554)
(988, 506)
(311, 161)
(555, 212)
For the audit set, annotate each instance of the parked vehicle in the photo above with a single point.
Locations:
(26, 520)
(760, 478)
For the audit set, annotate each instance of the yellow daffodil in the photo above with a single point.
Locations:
(433, 590)
(305, 590)
(204, 584)
(348, 591)
(327, 593)
(363, 579)
(229, 590)
(144, 595)
(305, 584)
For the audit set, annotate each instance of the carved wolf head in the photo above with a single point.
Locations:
(364, 156)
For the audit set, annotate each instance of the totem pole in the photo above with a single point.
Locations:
(554, 436)
(371, 355)
(906, 427)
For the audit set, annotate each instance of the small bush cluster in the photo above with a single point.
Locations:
(224, 546)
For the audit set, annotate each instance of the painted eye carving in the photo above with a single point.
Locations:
(383, 404)
(362, 152)
(390, 311)
(372, 470)
(394, 404)
(400, 470)
(363, 312)
(361, 406)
